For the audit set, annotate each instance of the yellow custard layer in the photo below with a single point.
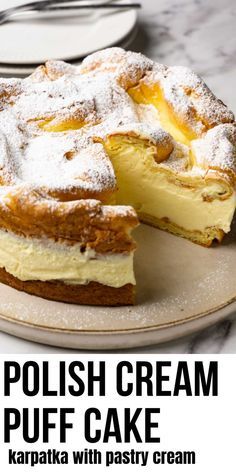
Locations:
(30, 259)
(151, 192)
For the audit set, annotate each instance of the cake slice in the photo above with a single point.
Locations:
(77, 251)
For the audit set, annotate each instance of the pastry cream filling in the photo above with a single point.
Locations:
(31, 259)
(148, 190)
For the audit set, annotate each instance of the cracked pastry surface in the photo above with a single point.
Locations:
(85, 149)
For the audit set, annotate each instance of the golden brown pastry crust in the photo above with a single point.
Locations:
(84, 221)
(56, 175)
(91, 294)
(204, 239)
(188, 101)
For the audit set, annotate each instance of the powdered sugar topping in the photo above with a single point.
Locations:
(50, 122)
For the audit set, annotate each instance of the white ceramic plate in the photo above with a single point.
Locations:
(182, 288)
(22, 70)
(31, 41)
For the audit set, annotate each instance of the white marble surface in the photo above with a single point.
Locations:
(199, 34)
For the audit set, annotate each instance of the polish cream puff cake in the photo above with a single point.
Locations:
(87, 151)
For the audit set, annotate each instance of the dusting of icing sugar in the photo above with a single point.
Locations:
(191, 99)
(178, 159)
(128, 67)
(148, 114)
(144, 131)
(66, 162)
(94, 96)
(217, 148)
(88, 97)
(8, 88)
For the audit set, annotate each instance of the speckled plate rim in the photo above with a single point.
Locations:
(115, 339)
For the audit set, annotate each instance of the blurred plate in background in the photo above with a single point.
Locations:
(31, 41)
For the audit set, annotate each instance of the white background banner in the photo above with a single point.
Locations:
(109, 411)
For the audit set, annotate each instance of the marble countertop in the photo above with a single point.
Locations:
(199, 34)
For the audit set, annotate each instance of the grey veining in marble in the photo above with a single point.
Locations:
(199, 34)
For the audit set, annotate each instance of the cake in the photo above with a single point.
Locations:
(87, 152)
